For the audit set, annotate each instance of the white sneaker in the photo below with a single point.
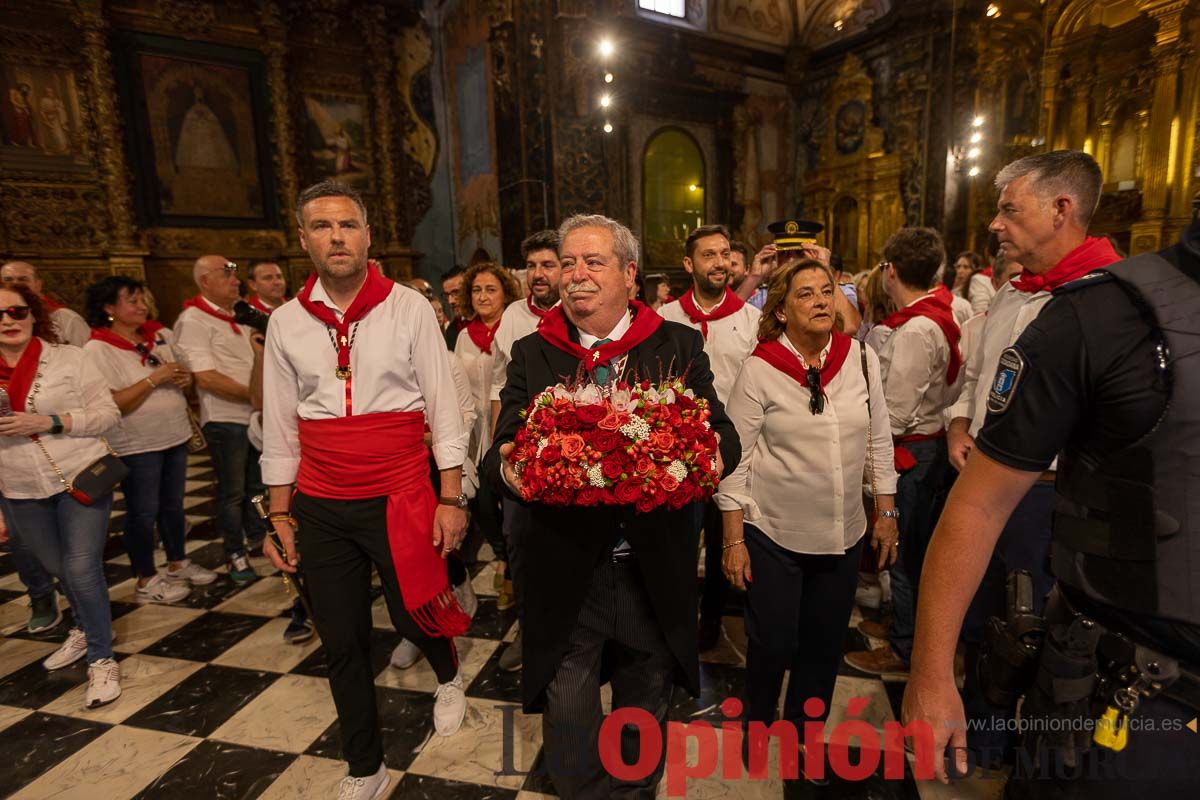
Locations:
(885, 587)
(405, 655)
(868, 595)
(369, 788)
(450, 707)
(73, 649)
(104, 683)
(160, 590)
(467, 600)
(192, 573)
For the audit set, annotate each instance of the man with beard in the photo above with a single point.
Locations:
(265, 280)
(729, 326)
(738, 253)
(603, 585)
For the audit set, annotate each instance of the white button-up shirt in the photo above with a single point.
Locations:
(729, 343)
(477, 366)
(70, 327)
(398, 362)
(801, 476)
(517, 323)
(913, 360)
(161, 421)
(207, 343)
(67, 382)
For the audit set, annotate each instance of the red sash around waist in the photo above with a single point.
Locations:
(378, 455)
(904, 459)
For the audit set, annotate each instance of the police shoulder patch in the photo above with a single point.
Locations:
(1008, 376)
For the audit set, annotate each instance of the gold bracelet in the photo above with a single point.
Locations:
(733, 544)
(282, 516)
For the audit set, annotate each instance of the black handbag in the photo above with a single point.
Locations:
(93, 481)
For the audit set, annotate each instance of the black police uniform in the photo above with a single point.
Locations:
(1102, 380)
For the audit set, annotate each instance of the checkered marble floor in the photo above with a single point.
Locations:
(216, 705)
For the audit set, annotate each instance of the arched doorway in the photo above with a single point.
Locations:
(673, 173)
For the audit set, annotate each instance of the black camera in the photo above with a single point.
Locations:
(246, 314)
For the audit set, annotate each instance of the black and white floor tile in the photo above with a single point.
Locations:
(216, 705)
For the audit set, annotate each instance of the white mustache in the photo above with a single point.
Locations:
(590, 288)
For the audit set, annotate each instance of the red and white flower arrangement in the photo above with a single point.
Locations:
(641, 444)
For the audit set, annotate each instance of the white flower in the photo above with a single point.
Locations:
(595, 476)
(689, 394)
(668, 396)
(622, 399)
(677, 470)
(561, 392)
(712, 465)
(589, 395)
(636, 429)
(542, 446)
(651, 395)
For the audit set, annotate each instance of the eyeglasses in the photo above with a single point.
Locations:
(229, 268)
(882, 265)
(145, 353)
(816, 403)
(15, 313)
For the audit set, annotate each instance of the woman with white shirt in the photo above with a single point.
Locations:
(148, 385)
(793, 509)
(60, 407)
(489, 290)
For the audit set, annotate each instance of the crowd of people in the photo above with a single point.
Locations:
(378, 418)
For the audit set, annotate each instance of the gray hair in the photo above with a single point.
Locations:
(329, 189)
(625, 244)
(1070, 172)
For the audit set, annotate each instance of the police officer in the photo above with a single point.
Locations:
(1106, 379)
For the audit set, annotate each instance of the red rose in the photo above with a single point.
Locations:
(567, 421)
(668, 482)
(644, 465)
(662, 441)
(611, 469)
(572, 445)
(647, 504)
(590, 415)
(628, 491)
(606, 441)
(589, 496)
(613, 421)
(551, 453)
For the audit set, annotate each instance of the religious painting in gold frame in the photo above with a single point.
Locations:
(41, 120)
(199, 145)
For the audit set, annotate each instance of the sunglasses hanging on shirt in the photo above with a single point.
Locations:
(816, 403)
(150, 358)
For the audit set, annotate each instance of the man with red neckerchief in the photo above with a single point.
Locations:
(1046, 202)
(352, 370)
(265, 280)
(729, 326)
(602, 583)
(920, 363)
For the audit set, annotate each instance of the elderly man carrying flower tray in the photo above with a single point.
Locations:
(607, 580)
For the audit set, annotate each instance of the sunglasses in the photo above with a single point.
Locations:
(15, 313)
(230, 268)
(816, 403)
(145, 353)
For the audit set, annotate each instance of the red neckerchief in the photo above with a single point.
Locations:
(935, 306)
(533, 308)
(147, 330)
(728, 307)
(19, 379)
(554, 329)
(200, 304)
(986, 271)
(375, 290)
(1095, 252)
(50, 304)
(481, 334)
(260, 305)
(776, 353)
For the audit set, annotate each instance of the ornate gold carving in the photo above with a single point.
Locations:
(373, 22)
(193, 242)
(102, 90)
(53, 219)
(189, 15)
(283, 146)
(414, 53)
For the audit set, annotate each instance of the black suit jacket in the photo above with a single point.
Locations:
(562, 546)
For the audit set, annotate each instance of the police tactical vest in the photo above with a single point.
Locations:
(1127, 527)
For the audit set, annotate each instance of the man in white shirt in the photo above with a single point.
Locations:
(265, 280)
(1046, 202)
(920, 364)
(729, 326)
(353, 370)
(70, 327)
(218, 351)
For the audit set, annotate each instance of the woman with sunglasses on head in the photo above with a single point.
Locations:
(812, 433)
(58, 405)
(135, 357)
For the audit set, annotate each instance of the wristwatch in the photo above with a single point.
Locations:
(893, 514)
(458, 502)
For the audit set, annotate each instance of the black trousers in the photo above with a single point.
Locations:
(516, 521)
(339, 541)
(716, 586)
(617, 626)
(797, 613)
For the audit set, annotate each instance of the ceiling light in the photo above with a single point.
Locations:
(838, 24)
(992, 11)
(976, 137)
(605, 101)
(606, 47)
(977, 122)
(608, 77)
(973, 171)
(608, 127)
(973, 153)
(691, 187)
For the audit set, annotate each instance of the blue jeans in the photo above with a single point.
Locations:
(238, 479)
(920, 494)
(154, 494)
(68, 539)
(29, 569)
